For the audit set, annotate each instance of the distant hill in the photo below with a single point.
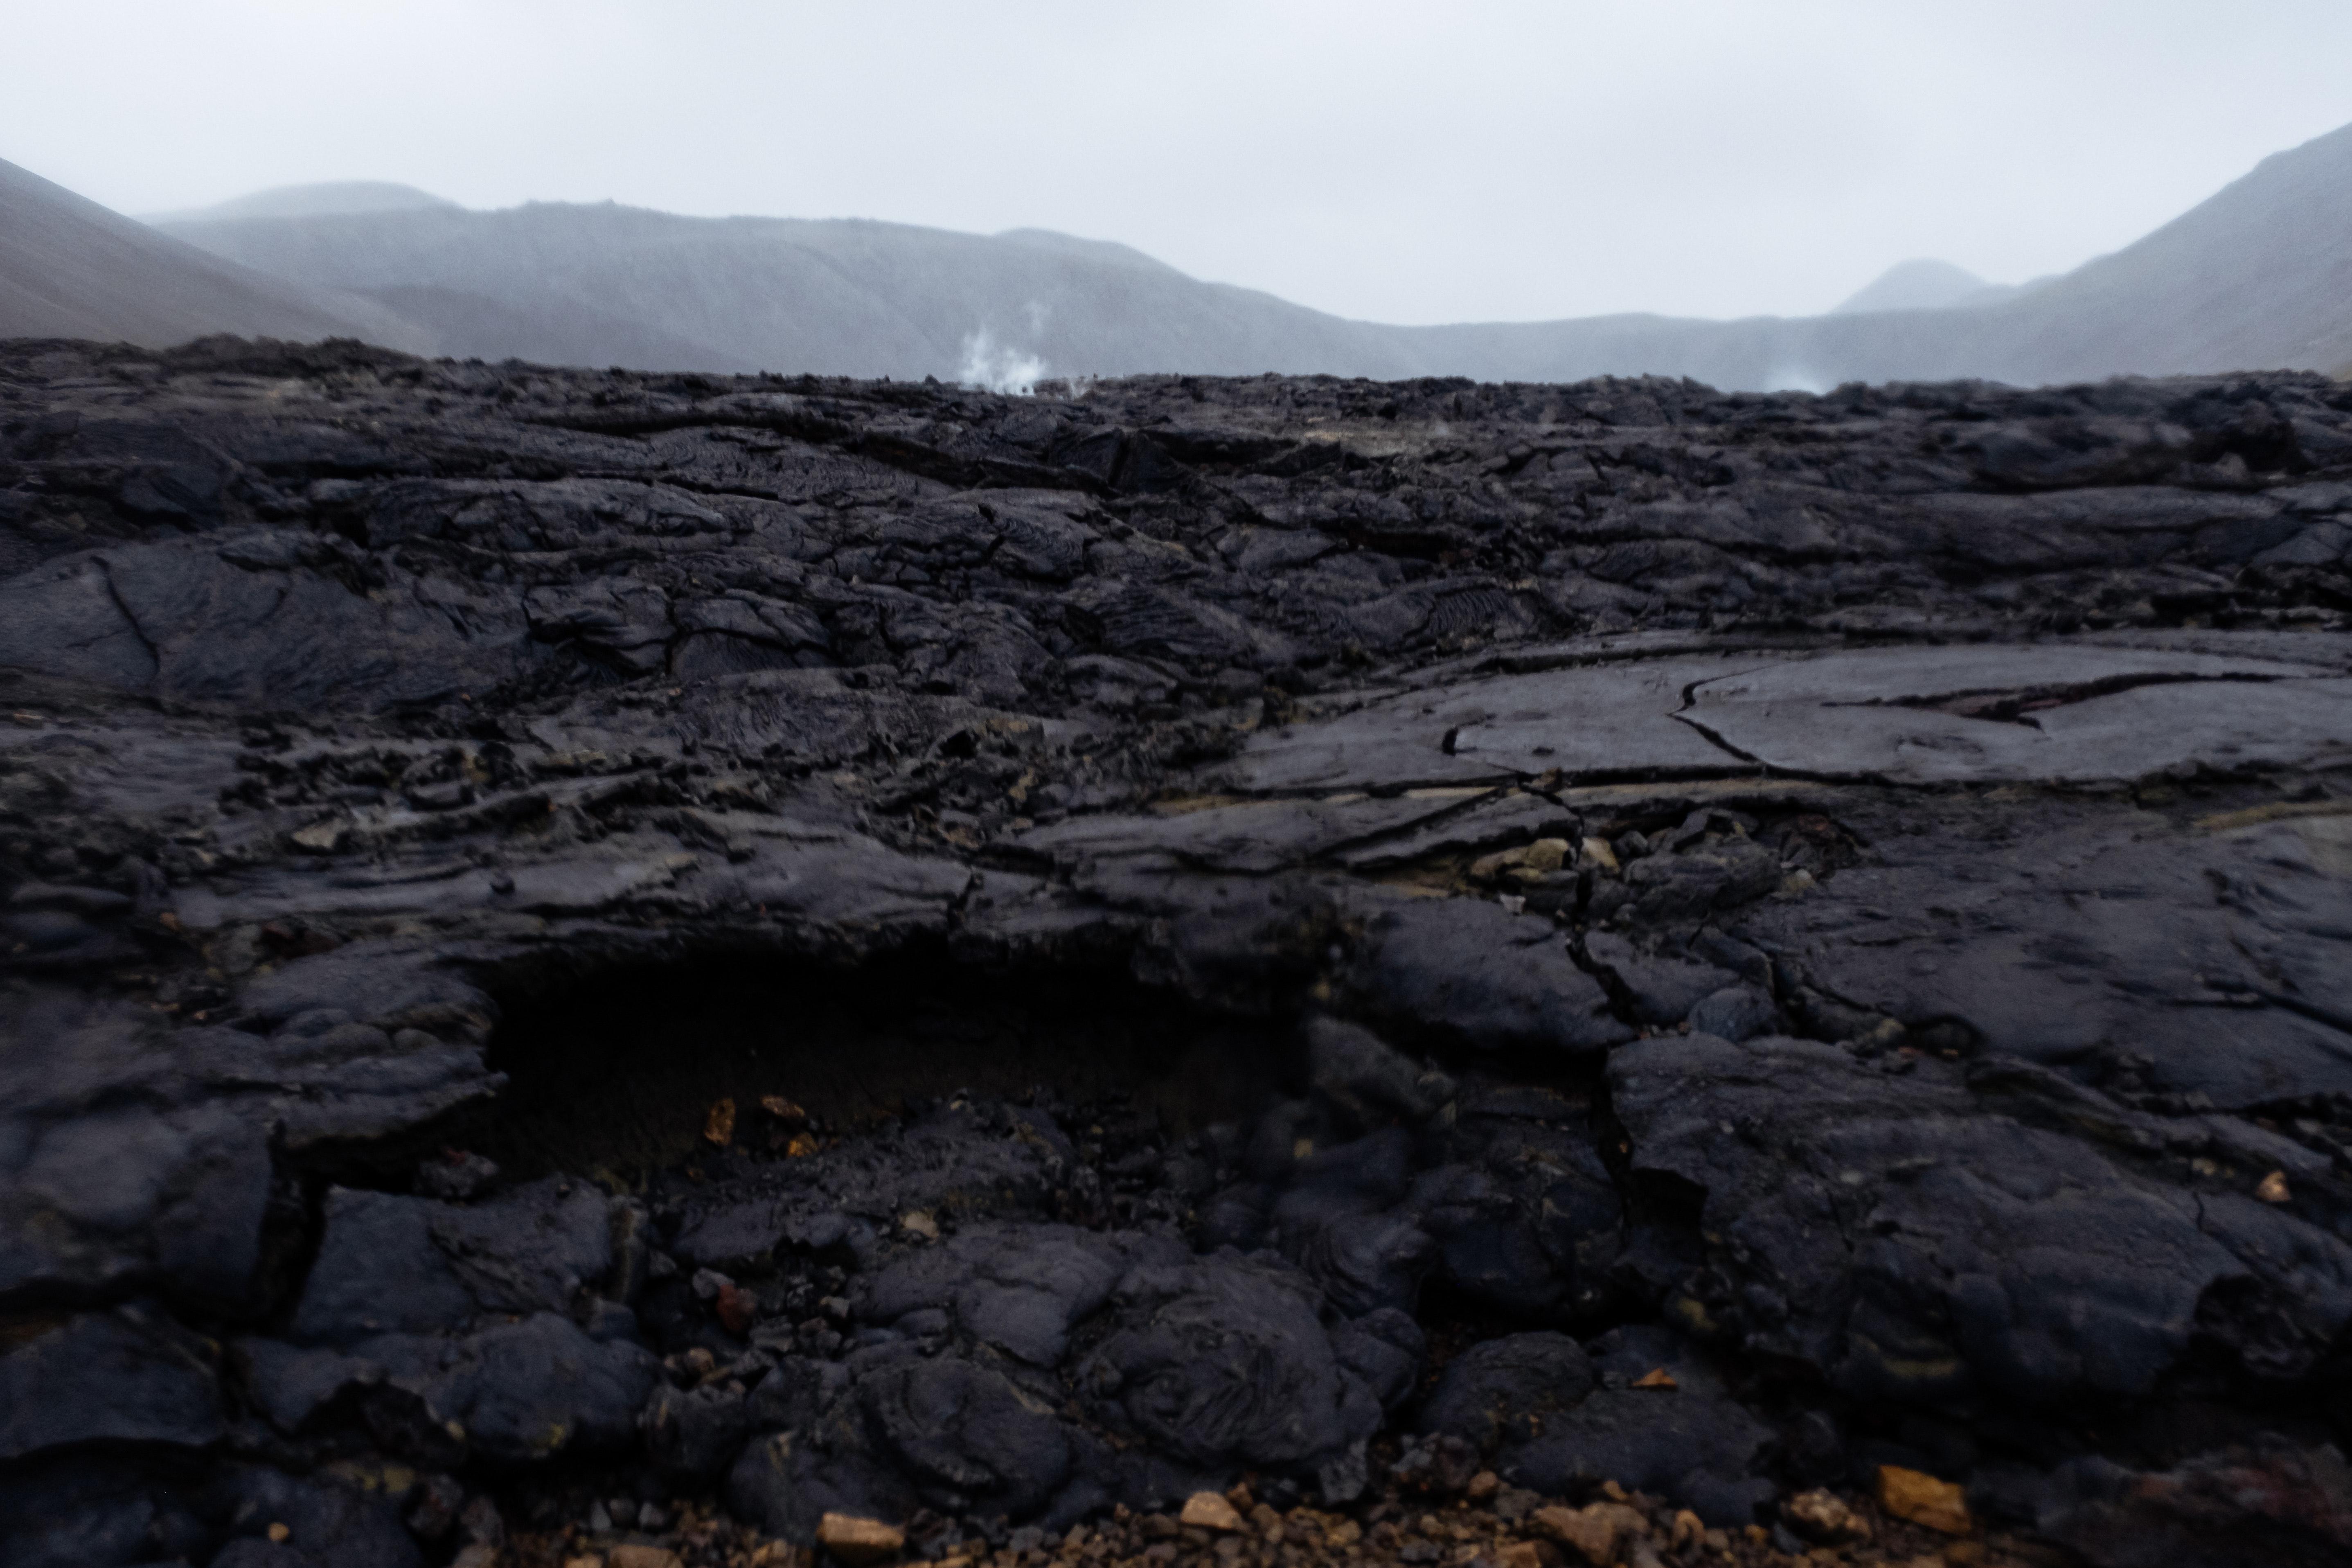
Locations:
(2258, 276)
(614, 285)
(71, 269)
(313, 201)
(1924, 286)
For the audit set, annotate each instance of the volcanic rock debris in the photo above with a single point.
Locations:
(668, 969)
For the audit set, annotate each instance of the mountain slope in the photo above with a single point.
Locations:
(69, 267)
(831, 296)
(2258, 276)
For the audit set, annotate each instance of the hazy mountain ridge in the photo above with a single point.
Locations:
(1926, 285)
(334, 197)
(2257, 276)
(837, 295)
(72, 268)
(2186, 293)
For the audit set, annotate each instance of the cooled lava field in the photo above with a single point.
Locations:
(599, 965)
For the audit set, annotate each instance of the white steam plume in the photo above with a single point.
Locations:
(1793, 378)
(995, 367)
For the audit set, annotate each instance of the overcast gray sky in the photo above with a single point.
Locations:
(1425, 161)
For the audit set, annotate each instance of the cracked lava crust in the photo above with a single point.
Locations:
(636, 967)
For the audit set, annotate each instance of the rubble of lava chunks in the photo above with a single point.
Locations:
(659, 971)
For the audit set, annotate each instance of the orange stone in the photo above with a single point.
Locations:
(1210, 1510)
(1922, 1498)
(634, 1555)
(857, 1541)
(1591, 1533)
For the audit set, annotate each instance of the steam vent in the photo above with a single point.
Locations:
(1254, 973)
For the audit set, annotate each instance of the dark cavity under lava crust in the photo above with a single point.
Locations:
(571, 943)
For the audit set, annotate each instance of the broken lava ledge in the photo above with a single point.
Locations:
(603, 965)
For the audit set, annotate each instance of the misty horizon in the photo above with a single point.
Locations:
(1504, 162)
(327, 198)
(2254, 276)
